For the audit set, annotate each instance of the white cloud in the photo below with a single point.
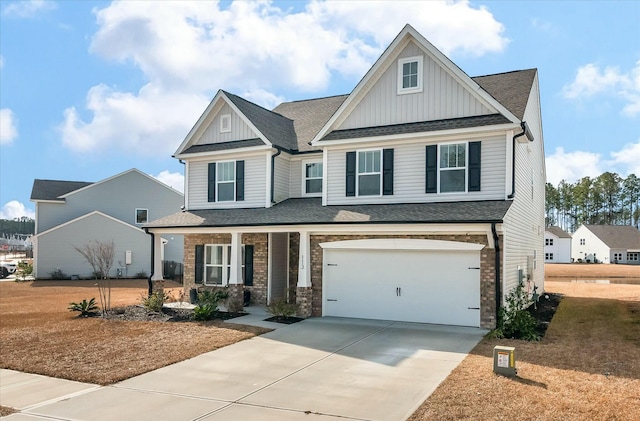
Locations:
(15, 209)
(8, 126)
(28, 8)
(591, 80)
(172, 179)
(572, 166)
(1, 61)
(189, 50)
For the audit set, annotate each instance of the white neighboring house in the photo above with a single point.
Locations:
(606, 244)
(70, 214)
(557, 245)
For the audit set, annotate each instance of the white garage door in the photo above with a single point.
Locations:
(426, 286)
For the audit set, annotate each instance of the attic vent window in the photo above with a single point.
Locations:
(410, 75)
(225, 123)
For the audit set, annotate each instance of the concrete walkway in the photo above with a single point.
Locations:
(324, 368)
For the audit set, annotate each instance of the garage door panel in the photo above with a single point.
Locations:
(415, 286)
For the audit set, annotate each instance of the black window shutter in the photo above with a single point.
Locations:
(474, 166)
(248, 265)
(431, 173)
(212, 182)
(351, 174)
(239, 180)
(387, 172)
(199, 264)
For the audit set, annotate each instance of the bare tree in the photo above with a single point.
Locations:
(100, 255)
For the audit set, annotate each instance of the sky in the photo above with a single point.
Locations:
(89, 89)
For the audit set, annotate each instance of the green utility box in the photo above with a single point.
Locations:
(504, 360)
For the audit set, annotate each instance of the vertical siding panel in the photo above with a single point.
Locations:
(239, 129)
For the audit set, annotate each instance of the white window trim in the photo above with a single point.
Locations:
(304, 177)
(225, 123)
(412, 90)
(368, 173)
(135, 216)
(225, 265)
(225, 182)
(466, 167)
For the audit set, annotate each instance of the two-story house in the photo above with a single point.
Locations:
(71, 214)
(557, 245)
(606, 244)
(417, 197)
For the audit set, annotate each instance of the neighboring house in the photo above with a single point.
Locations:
(70, 214)
(606, 244)
(557, 245)
(417, 197)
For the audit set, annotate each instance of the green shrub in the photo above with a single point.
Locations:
(155, 301)
(58, 274)
(204, 312)
(212, 296)
(141, 275)
(24, 270)
(86, 308)
(281, 308)
(514, 321)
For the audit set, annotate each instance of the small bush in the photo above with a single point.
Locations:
(281, 308)
(204, 312)
(141, 275)
(86, 308)
(212, 296)
(24, 270)
(155, 301)
(514, 321)
(58, 274)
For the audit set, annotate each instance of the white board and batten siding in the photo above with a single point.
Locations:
(281, 178)
(239, 129)
(524, 221)
(255, 182)
(409, 174)
(442, 97)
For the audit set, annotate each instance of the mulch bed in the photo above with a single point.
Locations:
(284, 320)
(544, 310)
(139, 313)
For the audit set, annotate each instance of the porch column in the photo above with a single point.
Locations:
(157, 279)
(304, 291)
(236, 287)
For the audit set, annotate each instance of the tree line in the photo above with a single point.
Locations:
(23, 225)
(607, 199)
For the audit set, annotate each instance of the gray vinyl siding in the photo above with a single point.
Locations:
(281, 178)
(118, 197)
(409, 175)
(56, 249)
(295, 177)
(442, 97)
(255, 183)
(239, 129)
(524, 222)
(279, 265)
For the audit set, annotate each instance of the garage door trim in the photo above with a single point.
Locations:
(402, 244)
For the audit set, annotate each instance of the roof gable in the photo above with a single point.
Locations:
(86, 216)
(388, 58)
(54, 190)
(511, 89)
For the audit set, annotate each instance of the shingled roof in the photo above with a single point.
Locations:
(53, 189)
(311, 211)
(617, 236)
(511, 89)
(558, 232)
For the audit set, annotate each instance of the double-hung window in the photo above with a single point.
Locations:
(142, 216)
(217, 264)
(548, 241)
(226, 181)
(312, 178)
(410, 75)
(369, 173)
(453, 167)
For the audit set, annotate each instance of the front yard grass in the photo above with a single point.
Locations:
(587, 367)
(39, 335)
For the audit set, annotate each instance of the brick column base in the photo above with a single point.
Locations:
(236, 298)
(157, 285)
(303, 300)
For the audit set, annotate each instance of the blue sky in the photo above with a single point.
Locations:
(91, 89)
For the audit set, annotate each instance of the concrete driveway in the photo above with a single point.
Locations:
(323, 368)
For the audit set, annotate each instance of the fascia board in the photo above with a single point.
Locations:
(203, 156)
(73, 221)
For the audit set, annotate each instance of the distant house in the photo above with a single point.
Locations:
(557, 245)
(606, 244)
(70, 214)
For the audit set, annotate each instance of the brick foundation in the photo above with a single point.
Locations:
(157, 285)
(236, 297)
(304, 297)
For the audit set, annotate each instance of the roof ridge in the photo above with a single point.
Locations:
(312, 99)
(506, 73)
(254, 104)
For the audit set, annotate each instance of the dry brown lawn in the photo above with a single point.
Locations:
(587, 367)
(39, 335)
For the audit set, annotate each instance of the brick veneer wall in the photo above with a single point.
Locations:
(260, 243)
(487, 269)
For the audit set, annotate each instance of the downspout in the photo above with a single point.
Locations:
(153, 258)
(496, 242)
(523, 125)
(273, 172)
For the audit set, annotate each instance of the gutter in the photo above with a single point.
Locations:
(273, 171)
(525, 132)
(153, 257)
(496, 241)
